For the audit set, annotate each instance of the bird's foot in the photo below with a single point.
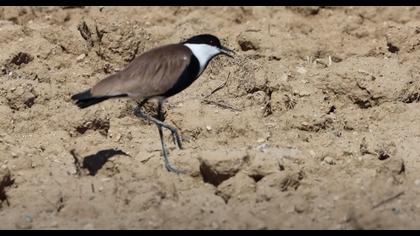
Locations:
(173, 169)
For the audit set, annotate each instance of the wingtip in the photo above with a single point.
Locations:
(83, 95)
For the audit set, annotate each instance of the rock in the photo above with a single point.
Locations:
(401, 39)
(371, 84)
(262, 164)
(80, 57)
(186, 161)
(249, 41)
(283, 181)
(236, 187)
(300, 208)
(260, 79)
(329, 160)
(218, 165)
(247, 45)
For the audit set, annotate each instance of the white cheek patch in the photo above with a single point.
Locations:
(204, 53)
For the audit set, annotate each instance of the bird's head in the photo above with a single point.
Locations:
(207, 45)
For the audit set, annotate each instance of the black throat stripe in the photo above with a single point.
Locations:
(187, 77)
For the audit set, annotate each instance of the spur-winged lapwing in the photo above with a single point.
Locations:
(159, 73)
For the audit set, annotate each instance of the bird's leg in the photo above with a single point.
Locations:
(168, 165)
(175, 136)
(159, 122)
(138, 112)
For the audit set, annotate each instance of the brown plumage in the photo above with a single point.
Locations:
(151, 74)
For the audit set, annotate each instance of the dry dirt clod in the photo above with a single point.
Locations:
(262, 164)
(247, 45)
(219, 165)
(237, 187)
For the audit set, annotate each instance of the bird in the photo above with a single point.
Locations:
(158, 74)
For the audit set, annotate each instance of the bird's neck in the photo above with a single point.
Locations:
(204, 53)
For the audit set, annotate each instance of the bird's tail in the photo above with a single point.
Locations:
(85, 98)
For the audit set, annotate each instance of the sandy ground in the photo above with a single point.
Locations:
(315, 124)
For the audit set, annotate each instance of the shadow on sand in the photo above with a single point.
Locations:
(94, 162)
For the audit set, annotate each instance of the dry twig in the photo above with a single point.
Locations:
(388, 200)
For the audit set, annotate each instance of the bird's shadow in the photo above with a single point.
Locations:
(94, 162)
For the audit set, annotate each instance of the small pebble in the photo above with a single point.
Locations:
(263, 147)
(417, 182)
(301, 70)
(303, 93)
(80, 57)
(329, 160)
(214, 225)
(299, 208)
(312, 153)
(208, 127)
(260, 140)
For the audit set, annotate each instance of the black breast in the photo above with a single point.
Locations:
(187, 77)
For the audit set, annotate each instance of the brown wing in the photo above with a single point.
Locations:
(150, 74)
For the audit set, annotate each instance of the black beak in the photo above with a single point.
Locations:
(226, 51)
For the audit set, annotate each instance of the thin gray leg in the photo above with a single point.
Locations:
(168, 165)
(175, 136)
(159, 125)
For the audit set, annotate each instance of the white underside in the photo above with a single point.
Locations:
(204, 53)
